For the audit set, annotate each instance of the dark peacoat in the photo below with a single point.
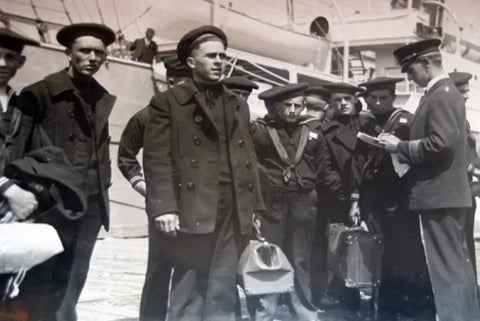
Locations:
(436, 151)
(78, 127)
(181, 159)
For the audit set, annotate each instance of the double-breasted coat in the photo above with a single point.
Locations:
(182, 159)
(56, 105)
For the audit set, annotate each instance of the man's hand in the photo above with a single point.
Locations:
(389, 142)
(22, 203)
(354, 214)
(141, 187)
(168, 224)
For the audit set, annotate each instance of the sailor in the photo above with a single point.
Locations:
(380, 195)
(461, 80)
(242, 86)
(202, 180)
(316, 102)
(153, 303)
(16, 204)
(71, 109)
(341, 136)
(437, 180)
(296, 161)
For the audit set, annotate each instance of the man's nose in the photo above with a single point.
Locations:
(92, 55)
(3, 62)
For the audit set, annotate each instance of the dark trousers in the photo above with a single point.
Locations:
(405, 286)
(349, 297)
(154, 301)
(205, 266)
(470, 230)
(318, 270)
(51, 290)
(294, 233)
(449, 265)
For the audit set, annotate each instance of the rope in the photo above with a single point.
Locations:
(138, 17)
(99, 11)
(66, 12)
(116, 14)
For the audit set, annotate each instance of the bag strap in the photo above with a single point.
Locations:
(392, 119)
(287, 173)
(278, 145)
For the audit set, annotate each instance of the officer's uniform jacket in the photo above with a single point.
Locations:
(436, 150)
(373, 163)
(130, 144)
(182, 160)
(56, 113)
(314, 166)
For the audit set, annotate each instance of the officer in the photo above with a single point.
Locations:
(153, 303)
(461, 79)
(316, 102)
(71, 108)
(296, 161)
(381, 197)
(438, 185)
(341, 136)
(202, 180)
(242, 86)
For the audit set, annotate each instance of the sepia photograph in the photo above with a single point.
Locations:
(239, 160)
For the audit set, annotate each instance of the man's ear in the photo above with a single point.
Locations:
(190, 62)
(68, 52)
(21, 61)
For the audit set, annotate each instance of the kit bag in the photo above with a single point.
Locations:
(263, 268)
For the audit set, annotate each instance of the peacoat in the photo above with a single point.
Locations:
(436, 151)
(182, 159)
(55, 107)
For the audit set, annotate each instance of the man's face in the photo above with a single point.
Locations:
(208, 61)
(344, 104)
(464, 90)
(380, 101)
(290, 109)
(10, 62)
(417, 72)
(149, 34)
(87, 54)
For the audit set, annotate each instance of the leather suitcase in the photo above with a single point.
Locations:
(355, 255)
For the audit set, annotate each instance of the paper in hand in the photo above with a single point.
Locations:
(369, 139)
(400, 168)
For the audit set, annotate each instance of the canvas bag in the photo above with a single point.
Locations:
(263, 268)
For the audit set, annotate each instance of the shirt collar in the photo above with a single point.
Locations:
(434, 80)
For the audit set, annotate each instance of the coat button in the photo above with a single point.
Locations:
(196, 140)
(241, 143)
(71, 137)
(71, 114)
(194, 163)
(250, 187)
(248, 164)
(190, 186)
(198, 119)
